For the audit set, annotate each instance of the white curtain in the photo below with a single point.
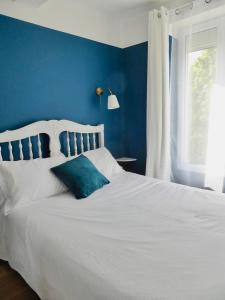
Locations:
(198, 95)
(158, 100)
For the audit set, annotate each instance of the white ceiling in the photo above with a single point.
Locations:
(118, 6)
(30, 2)
(111, 6)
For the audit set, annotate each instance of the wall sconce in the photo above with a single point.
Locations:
(113, 102)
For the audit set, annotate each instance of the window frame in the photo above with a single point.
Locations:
(183, 104)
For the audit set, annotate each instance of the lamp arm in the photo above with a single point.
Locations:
(110, 91)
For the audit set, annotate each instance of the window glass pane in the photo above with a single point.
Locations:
(202, 66)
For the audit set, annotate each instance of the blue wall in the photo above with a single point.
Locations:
(135, 66)
(47, 74)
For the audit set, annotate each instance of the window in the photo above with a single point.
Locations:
(202, 66)
(198, 103)
(199, 77)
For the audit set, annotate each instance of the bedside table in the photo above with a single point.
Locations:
(125, 162)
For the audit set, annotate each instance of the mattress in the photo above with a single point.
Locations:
(136, 238)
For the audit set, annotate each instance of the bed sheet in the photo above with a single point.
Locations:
(136, 238)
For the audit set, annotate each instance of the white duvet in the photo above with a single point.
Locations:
(137, 238)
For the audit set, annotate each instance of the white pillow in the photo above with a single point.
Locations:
(104, 161)
(23, 181)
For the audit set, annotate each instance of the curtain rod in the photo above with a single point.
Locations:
(189, 5)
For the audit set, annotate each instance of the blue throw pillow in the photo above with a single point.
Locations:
(81, 176)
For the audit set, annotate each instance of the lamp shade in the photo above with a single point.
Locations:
(113, 102)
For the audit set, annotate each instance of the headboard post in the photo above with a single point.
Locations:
(53, 132)
(101, 136)
(54, 146)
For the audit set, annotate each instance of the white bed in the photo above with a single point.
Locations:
(136, 238)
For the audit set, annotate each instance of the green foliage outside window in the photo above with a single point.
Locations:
(202, 78)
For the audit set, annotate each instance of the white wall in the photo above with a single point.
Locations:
(122, 29)
(133, 29)
(78, 19)
(67, 16)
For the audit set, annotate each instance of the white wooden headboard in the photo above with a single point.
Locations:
(53, 128)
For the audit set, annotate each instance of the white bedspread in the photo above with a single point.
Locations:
(136, 238)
